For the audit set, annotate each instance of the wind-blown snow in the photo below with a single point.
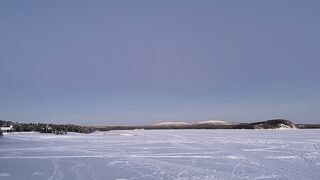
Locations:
(162, 154)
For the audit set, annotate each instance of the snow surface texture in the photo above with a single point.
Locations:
(162, 154)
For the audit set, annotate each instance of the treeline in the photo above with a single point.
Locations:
(63, 129)
(47, 128)
(308, 126)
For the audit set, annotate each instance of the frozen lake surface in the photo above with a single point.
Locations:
(162, 154)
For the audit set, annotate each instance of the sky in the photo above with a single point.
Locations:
(143, 62)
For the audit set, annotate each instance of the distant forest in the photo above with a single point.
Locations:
(47, 128)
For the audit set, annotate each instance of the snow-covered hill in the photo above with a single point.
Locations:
(172, 124)
(207, 122)
(212, 122)
(274, 124)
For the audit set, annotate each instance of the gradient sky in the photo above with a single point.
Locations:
(141, 62)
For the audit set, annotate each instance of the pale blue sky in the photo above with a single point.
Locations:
(141, 62)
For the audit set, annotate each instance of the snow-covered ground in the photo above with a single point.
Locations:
(162, 154)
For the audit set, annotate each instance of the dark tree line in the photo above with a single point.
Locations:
(47, 128)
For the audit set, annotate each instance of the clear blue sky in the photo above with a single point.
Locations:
(141, 62)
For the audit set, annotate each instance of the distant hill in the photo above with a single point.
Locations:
(274, 124)
(269, 124)
(172, 124)
(207, 122)
(212, 122)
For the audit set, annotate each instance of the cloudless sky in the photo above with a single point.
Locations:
(142, 62)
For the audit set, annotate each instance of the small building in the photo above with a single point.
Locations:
(7, 129)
